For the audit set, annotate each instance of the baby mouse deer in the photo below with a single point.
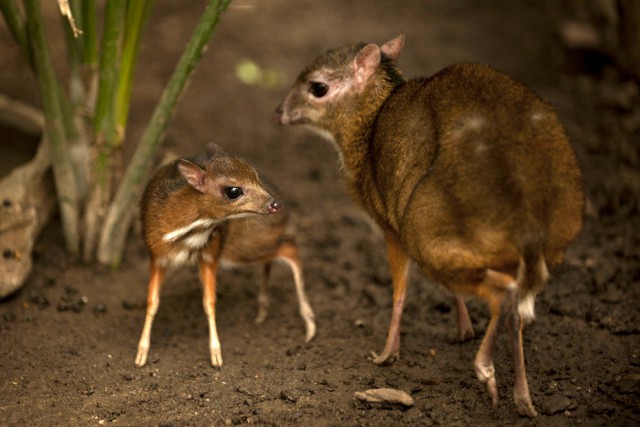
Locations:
(207, 210)
(467, 172)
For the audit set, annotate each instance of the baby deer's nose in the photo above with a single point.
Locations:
(274, 207)
(277, 115)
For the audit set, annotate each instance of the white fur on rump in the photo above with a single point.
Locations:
(526, 307)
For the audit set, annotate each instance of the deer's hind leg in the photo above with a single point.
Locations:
(263, 295)
(500, 290)
(288, 252)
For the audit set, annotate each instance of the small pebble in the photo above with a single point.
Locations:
(70, 290)
(36, 297)
(129, 305)
(288, 396)
(100, 308)
(79, 304)
(555, 404)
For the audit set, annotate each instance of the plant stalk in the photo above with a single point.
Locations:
(62, 168)
(89, 54)
(137, 15)
(104, 156)
(17, 26)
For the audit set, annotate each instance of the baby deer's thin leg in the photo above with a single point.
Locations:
(153, 301)
(465, 329)
(521, 395)
(208, 278)
(289, 253)
(263, 295)
(399, 265)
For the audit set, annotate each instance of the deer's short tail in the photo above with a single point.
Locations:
(532, 276)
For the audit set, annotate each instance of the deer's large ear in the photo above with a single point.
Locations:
(365, 64)
(195, 176)
(214, 150)
(393, 47)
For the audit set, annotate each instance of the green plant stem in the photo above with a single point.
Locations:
(104, 157)
(118, 220)
(89, 32)
(89, 69)
(74, 44)
(62, 167)
(137, 14)
(17, 27)
(113, 25)
(72, 101)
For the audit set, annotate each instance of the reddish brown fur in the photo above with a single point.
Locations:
(169, 202)
(187, 216)
(467, 172)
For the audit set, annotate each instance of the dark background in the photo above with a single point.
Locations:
(583, 353)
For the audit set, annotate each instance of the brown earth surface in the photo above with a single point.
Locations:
(68, 338)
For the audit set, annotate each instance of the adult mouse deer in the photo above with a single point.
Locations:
(466, 172)
(210, 209)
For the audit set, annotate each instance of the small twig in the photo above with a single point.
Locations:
(20, 116)
(65, 10)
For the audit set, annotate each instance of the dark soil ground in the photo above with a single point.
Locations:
(68, 338)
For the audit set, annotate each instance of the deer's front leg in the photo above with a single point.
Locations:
(208, 268)
(399, 265)
(153, 302)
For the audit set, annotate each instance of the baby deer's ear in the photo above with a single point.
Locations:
(214, 150)
(393, 47)
(195, 176)
(365, 64)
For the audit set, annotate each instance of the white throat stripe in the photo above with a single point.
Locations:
(174, 235)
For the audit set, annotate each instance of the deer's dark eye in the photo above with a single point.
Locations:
(232, 193)
(318, 89)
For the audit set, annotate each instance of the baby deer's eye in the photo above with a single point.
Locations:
(318, 89)
(232, 193)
